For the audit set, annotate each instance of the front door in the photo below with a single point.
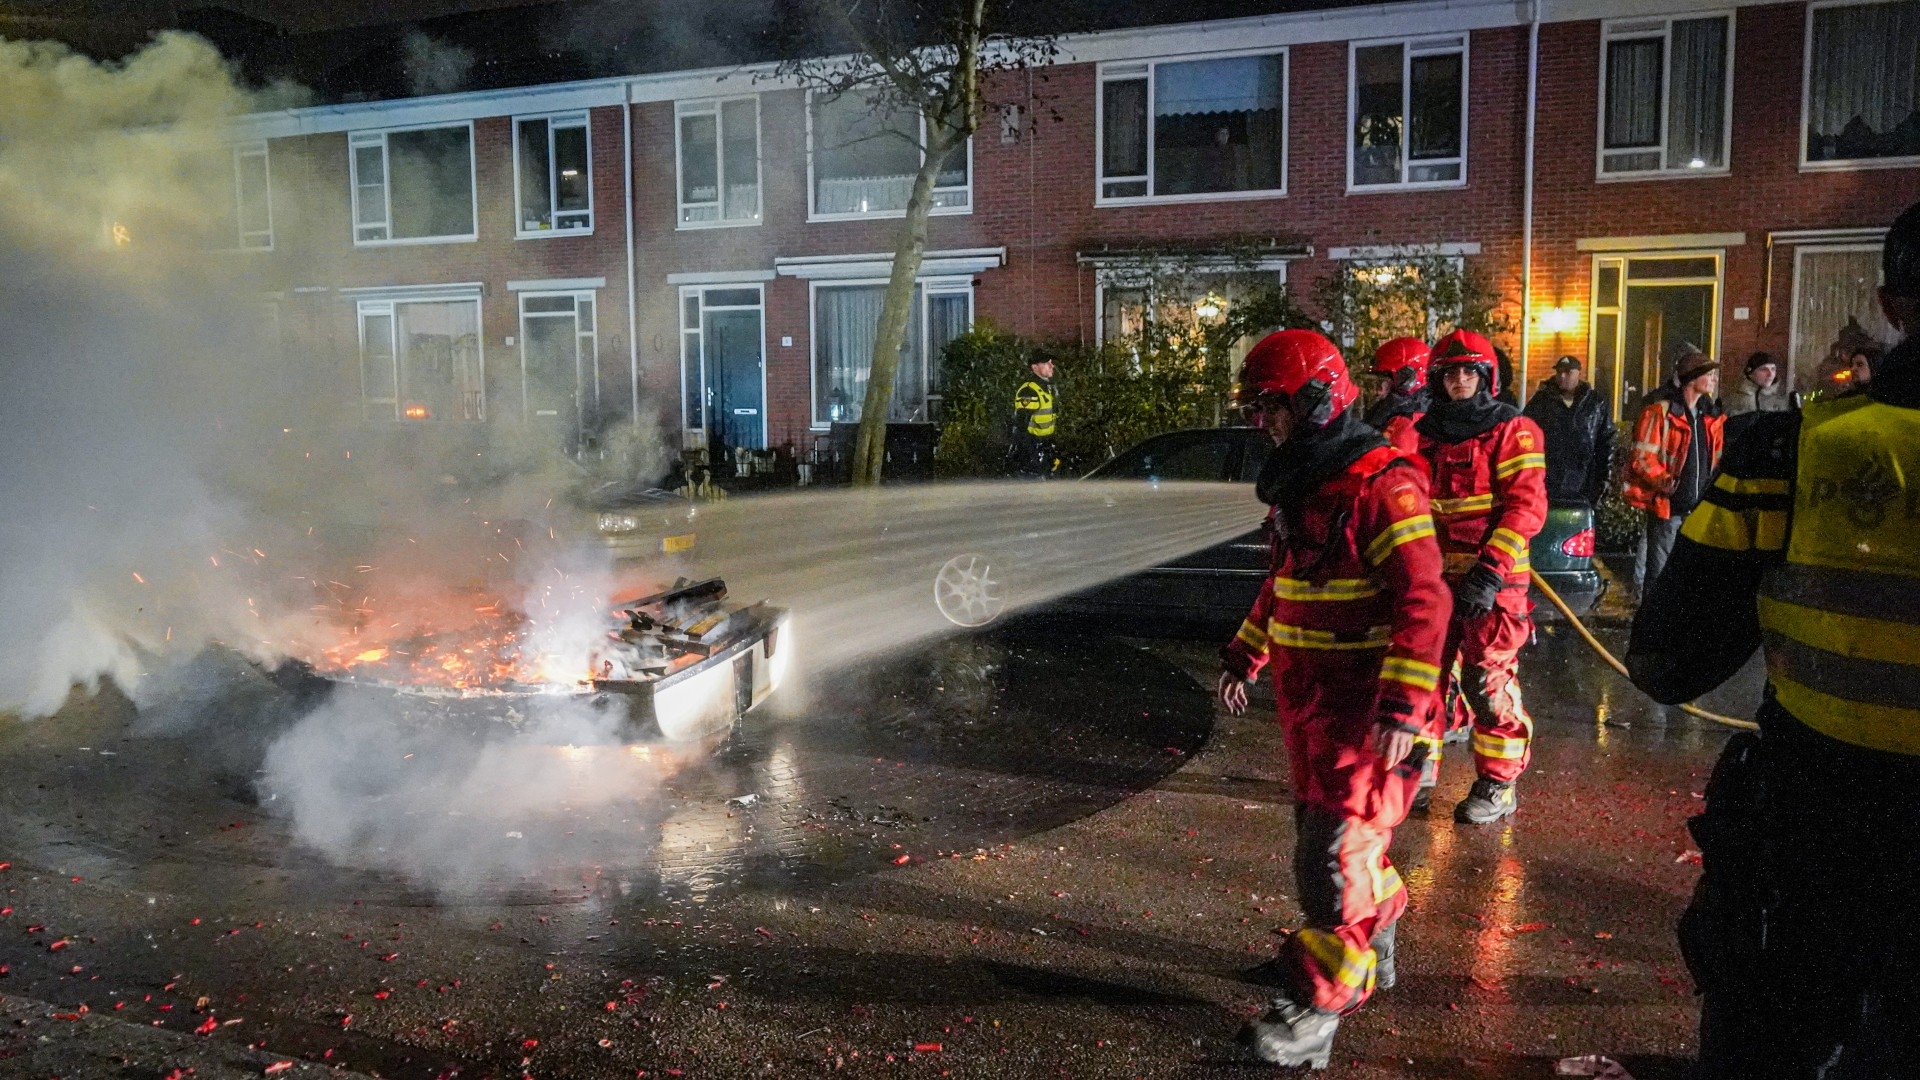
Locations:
(1647, 310)
(557, 358)
(726, 360)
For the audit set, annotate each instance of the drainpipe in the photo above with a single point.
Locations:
(1526, 211)
(633, 328)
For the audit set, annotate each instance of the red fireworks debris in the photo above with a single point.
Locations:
(1526, 928)
(209, 1027)
(276, 1068)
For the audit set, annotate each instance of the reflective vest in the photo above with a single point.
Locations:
(1840, 617)
(1035, 399)
(1662, 437)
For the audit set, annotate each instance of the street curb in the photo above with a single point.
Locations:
(42, 1040)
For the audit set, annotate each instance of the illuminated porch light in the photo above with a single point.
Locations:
(1210, 306)
(1559, 320)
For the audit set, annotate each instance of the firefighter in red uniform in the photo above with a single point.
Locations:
(1351, 622)
(1488, 470)
(1402, 365)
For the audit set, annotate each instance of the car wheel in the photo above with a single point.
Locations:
(967, 592)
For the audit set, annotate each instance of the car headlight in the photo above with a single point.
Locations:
(618, 523)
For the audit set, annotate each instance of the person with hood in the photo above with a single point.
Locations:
(1351, 623)
(1761, 390)
(1488, 467)
(1578, 427)
(1401, 365)
(1676, 446)
(1807, 547)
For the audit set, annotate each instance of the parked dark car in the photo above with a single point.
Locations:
(1213, 589)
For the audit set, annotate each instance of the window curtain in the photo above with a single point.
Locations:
(1696, 121)
(1831, 289)
(1633, 93)
(440, 358)
(1864, 85)
(846, 321)
(1124, 120)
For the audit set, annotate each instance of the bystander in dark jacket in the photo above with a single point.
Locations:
(1578, 425)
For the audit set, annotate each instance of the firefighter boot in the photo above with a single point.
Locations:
(1292, 1034)
(1385, 944)
(1422, 800)
(1488, 802)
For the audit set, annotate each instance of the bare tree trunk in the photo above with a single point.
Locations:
(870, 445)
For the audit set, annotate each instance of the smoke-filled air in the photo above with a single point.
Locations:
(195, 503)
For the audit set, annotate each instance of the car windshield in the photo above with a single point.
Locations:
(1188, 456)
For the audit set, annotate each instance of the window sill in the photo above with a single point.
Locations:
(1662, 174)
(739, 223)
(1201, 197)
(241, 250)
(890, 215)
(418, 241)
(1389, 189)
(1860, 164)
(553, 234)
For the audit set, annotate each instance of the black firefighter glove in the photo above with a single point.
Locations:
(1476, 593)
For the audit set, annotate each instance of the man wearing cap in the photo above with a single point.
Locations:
(1676, 446)
(1578, 426)
(1760, 391)
(1036, 408)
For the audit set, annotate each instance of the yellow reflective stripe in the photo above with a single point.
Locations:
(1415, 673)
(1520, 463)
(1505, 539)
(1252, 636)
(1348, 967)
(1877, 727)
(1387, 883)
(1844, 635)
(1770, 530)
(1738, 486)
(1498, 746)
(1463, 505)
(1300, 637)
(1400, 532)
(1718, 527)
(1335, 589)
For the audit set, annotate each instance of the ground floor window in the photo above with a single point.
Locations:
(1648, 309)
(421, 360)
(846, 319)
(723, 371)
(1833, 288)
(1182, 303)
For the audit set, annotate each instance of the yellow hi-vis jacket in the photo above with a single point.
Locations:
(1034, 401)
(1815, 517)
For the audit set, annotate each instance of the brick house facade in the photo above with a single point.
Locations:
(1634, 246)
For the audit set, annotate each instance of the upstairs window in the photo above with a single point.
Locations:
(1664, 88)
(553, 171)
(244, 219)
(719, 143)
(1199, 127)
(864, 157)
(413, 186)
(1863, 83)
(1409, 105)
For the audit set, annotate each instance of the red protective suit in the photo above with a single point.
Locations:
(1352, 622)
(1399, 431)
(1489, 497)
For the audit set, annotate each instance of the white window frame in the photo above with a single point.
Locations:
(874, 215)
(713, 107)
(554, 121)
(1793, 295)
(1806, 102)
(586, 342)
(697, 438)
(356, 140)
(252, 241)
(1436, 45)
(1130, 70)
(385, 305)
(1661, 27)
(1120, 278)
(929, 286)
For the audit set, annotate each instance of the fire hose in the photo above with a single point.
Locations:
(1594, 643)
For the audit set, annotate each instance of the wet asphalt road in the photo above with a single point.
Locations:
(1026, 854)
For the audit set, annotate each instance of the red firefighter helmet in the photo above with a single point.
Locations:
(1304, 368)
(1464, 347)
(1403, 363)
